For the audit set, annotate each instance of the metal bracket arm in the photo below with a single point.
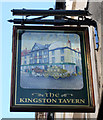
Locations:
(63, 21)
(50, 12)
(70, 21)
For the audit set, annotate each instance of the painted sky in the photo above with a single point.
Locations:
(30, 38)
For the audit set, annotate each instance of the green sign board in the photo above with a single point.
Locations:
(51, 69)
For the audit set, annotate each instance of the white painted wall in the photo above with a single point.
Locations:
(94, 72)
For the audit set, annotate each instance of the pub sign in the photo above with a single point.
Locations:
(51, 69)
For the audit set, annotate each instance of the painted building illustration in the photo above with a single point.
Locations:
(38, 56)
(57, 58)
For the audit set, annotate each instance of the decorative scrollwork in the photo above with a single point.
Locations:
(38, 94)
(65, 95)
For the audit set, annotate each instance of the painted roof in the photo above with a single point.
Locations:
(38, 46)
(57, 44)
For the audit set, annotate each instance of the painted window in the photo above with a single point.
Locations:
(25, 62)
(40, 52)
(72, 60)
(31, 55)
(78, 54)
(25, 57)
(45, 52)
(62, 51)
(40, 60)
(75, 60)
(35, 53)
(45, 60)
(53, 59)
(31, 61)
(78, 61)
(62, 58)
(53, 52)
(35, 60)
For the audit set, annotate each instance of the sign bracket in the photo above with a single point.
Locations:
(63, 21)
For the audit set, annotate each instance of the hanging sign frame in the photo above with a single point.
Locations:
(51, 70)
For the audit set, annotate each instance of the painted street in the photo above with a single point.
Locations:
(41, 82)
